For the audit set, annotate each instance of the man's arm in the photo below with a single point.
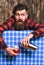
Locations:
(5, 26)
(38, 29)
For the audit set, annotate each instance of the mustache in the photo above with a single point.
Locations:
(20, 20)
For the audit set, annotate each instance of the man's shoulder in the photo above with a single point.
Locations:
(29, 19)
(11, 19)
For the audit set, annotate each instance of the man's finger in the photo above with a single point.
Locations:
(13, 53)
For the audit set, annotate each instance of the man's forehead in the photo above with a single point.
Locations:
(21, 11)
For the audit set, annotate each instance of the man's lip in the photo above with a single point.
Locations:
(20, 22)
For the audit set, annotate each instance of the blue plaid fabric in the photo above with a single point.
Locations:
(25, 56)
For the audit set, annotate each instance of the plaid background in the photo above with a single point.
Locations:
(26, 56)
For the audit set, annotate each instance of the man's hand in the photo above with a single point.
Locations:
(12, 51)
(25, 42)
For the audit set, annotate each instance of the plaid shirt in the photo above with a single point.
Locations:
(29, 25)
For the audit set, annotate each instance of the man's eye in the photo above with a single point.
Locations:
(22, 14)
(17, 14)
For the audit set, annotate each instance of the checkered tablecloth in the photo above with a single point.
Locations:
(25, 56)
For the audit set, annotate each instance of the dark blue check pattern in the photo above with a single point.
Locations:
(25, 56)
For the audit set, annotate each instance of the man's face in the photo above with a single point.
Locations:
(21, 16)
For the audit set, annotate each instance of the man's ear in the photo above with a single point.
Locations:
(26, 16)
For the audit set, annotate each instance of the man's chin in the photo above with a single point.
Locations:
(19, 26)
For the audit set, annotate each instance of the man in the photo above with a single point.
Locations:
(20, 21)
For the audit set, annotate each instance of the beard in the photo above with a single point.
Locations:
(20, 25)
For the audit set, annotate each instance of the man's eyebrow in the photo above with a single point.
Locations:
(21, 13)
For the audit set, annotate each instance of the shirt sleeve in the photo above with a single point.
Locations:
(38, 29)
(5, 26)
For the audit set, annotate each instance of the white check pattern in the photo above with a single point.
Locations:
(26, 56)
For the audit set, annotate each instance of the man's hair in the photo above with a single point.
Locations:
(20, 7)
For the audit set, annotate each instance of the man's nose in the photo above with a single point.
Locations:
(20, 17)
